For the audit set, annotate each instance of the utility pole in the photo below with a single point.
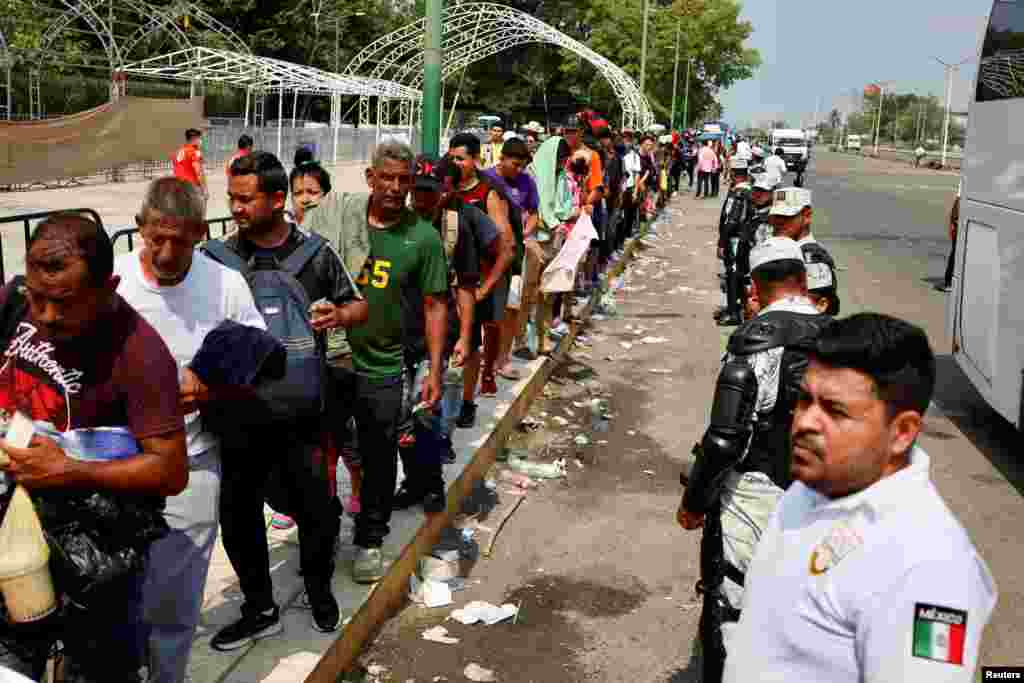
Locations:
(643, 50)
(675, 77)
(878, 121)
(431, 107)
(950, 68)
(686, 95)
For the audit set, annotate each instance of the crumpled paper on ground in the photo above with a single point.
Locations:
(480, 611)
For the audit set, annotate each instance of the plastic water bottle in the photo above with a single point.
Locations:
(451, 399)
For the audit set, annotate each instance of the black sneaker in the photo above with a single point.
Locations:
(467, 417)
(326, 614)
(406, 498)
(434, 502)
(251, 627)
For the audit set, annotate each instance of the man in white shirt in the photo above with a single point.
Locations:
(184, 295)
(743, 150)
(775, 166)
(863, 575)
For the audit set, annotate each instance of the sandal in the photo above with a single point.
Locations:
(508, 372)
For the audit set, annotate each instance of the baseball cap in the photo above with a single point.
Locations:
(428, 173)
(820, 277)
(775, 249)
(789, 201)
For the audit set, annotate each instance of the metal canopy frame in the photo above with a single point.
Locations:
(474, 31)
(260, 76)
(121, 27)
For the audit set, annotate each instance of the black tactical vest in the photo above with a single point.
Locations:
(769, 451)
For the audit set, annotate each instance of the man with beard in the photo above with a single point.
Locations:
(742, 464)
(79, 359)
(273, 454)
(863, 574)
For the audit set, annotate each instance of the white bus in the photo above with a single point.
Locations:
(985, 315)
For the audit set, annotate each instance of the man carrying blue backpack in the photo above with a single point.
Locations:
(271, 443)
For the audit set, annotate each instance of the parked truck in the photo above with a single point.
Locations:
(796, 151)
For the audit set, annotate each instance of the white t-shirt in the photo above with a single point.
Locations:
(185, 313)
(743, 150)
(880, 586)
(775, 168)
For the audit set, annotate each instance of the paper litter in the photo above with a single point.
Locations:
(485, 612)
(475, 672)
(439, 634)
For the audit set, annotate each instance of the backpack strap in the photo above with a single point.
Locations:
(223, 254)
(298, 259)
(451, 231)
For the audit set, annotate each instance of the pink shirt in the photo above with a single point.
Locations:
(707, 160)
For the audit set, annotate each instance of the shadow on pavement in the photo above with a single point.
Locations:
(988, 431)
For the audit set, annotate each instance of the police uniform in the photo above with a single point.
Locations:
(742, 464)
(880, 586)
(736, 212)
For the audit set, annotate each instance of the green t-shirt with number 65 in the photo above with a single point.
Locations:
(407, 256)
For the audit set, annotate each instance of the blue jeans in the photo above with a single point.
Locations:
(177, 569)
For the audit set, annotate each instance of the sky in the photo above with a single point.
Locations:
(815, 50)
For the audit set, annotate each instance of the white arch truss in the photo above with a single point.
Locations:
(122, 27)
(473, 31)
(262, 74)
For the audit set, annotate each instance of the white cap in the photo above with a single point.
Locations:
(819, 276)
(789, 201)
(535, 127)
(775, 249)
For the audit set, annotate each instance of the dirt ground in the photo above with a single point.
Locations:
(602, 575)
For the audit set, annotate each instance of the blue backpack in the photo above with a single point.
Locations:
(284, 304)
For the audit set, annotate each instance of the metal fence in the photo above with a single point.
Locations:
(215, 227)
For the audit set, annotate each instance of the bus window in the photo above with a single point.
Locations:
(1001, 72)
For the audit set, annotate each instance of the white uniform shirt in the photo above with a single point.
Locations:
(882, 586)
(743, 150)
(775, 168)
(184, 314)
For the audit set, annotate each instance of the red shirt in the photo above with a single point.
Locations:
(186, 161)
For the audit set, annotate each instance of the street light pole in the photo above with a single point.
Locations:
(643, 49)
(686, 95)
(675, 77)
(950, 68)
(878, 121)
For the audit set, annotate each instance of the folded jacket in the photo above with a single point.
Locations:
(239, 355)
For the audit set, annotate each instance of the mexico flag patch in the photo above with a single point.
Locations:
(939, 633)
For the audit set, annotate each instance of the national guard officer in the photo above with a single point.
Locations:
(736, 212)
(863, 573)
(790, 216)
(742, 463)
